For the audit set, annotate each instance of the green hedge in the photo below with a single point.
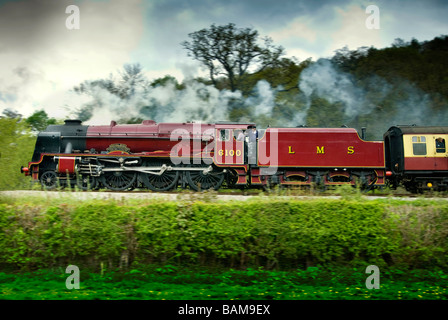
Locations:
(269, 233)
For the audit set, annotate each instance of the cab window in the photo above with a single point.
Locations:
(419, 145)
(224, 134)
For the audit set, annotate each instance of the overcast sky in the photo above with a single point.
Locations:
(41, 60)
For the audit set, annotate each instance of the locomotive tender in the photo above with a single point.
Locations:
(164, 156)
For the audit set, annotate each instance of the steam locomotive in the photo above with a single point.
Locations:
(200, 156)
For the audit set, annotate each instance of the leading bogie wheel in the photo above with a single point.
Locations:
(49, 180)
(86, 182)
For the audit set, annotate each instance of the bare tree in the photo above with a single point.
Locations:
(231, 51)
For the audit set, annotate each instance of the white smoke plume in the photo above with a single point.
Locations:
(387, 103)
(390, 103)
(131, 96)
(322, 79)
(167, 103)
(263, 100)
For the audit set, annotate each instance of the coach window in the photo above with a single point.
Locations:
(419, 145)
(440, 145)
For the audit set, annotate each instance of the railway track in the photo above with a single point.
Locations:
(221, 195)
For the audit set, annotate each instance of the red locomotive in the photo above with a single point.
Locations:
(164, 156)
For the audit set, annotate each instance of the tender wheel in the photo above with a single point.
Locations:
(166, 181)
(198, 180)
(86, 182)
(49, 180)
(118, 180)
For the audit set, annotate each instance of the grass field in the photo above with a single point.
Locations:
(173, 283)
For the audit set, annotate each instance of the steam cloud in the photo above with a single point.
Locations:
(391, 103)
(263, 100)
(166, 103)
(162, 103)
(325, 81)
(399, 102)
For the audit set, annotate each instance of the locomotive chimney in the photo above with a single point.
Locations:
(363, 133)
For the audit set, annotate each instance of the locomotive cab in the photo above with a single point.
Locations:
(230, 147)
